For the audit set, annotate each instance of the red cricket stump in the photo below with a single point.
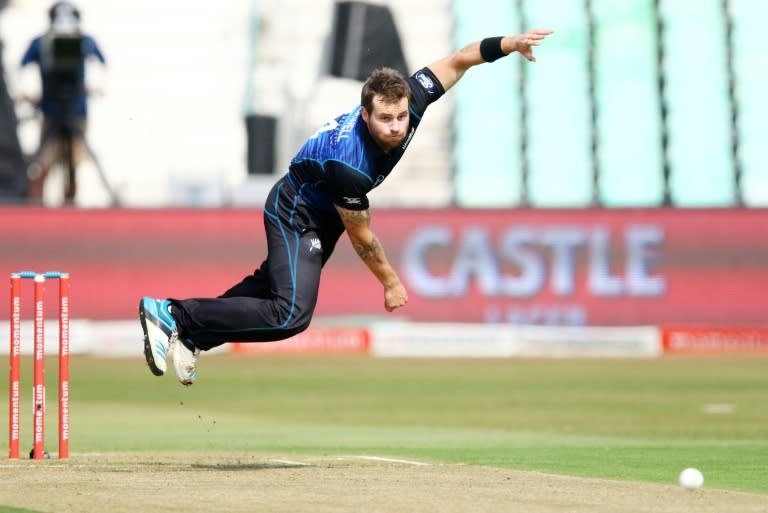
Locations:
(38, 388)
(15, 360)
(64, 366)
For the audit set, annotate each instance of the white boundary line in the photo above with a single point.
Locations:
(296, 463)
(386, 460)
(381, 459)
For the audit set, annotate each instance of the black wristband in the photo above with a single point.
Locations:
(490, 49)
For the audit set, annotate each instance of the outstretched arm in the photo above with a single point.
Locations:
(450, 69)
(369, 249)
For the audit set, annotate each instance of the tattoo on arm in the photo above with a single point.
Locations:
(367, 245)
(370, 251)
(356, 217)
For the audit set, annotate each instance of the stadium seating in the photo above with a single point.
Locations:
(629, 126)
(629, 137)
(698, 119)
(487, 115)
(559, 135)
(751, 72)
(177, 94)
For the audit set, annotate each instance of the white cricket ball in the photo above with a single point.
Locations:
(691, 478)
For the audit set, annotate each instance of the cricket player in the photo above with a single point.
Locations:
(323, 195)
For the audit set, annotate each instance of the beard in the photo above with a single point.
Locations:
(389, 143)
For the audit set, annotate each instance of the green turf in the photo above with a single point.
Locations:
(619, 419)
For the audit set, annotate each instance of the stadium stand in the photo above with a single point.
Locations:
(182, 79)
(629, 137)
(559, 154)
(751, 73)
(487, 124)
(698, 112)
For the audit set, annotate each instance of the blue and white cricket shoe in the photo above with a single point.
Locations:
(185, 360)
(159, 332)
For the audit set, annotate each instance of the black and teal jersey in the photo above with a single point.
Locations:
(341, 162)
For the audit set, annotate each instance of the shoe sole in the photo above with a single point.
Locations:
(147, 347)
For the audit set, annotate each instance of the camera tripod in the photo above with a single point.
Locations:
(64, 139)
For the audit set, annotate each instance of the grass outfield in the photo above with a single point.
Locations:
(642, 420)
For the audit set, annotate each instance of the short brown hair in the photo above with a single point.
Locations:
(387, 83)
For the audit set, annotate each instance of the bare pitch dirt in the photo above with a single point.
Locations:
(225, 482)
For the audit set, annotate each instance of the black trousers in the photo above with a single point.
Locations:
(276, 301)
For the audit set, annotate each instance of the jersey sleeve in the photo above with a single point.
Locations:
(91, 48)
(32, 54)
(348, 186)
(425, 89)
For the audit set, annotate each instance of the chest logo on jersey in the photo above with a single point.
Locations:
(425, 82)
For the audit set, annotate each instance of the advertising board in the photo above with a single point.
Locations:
(599, 267)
